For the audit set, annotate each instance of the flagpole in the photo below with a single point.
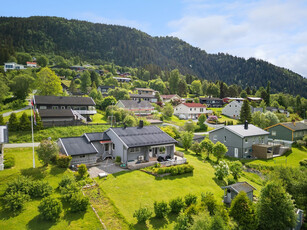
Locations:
(32, 134)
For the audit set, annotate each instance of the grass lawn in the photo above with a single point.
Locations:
(175, 120)
(291, 159)
(55, 133)
(99, 117)
(29, 217)
(222, 117)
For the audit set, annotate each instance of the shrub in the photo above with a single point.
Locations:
(176, 205)
(161, 209)
(191, 210)
(142, 214)
(66, 180)
(221, 170)
(14, 201)
(78, 202)
(174, 171)
(20, 184)
(9, 161)
(190, 199)
(188, 168)
(82, 171)
(183, 222)
(63, 161)
(303, 163)
(300, 143)
(209, 201)
(68, 191)
(118, 159)
(231, 181)
(40, 189)
(46, 151)
(50, 208)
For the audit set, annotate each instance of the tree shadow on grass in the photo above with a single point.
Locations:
(73, 216)
(5, 214)
(220, 183)
(37, 223)
(121, 173)
(35, 173)
(140, 226)
(158, 223)
(55, 170)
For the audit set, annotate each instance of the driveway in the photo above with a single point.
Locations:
(15, 111)
(21, 145)
(107, 166)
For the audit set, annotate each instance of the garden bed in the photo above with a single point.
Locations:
(159, 171)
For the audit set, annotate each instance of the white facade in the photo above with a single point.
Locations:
(32, 64)
(12, 65)
(190, 111)
(233, 109)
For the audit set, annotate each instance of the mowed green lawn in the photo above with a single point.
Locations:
(130, 190)
(29, 218)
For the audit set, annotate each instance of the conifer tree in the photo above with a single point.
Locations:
(24, 122)
(13, 122)
(267, 99)
(1, 120)
(245, 113)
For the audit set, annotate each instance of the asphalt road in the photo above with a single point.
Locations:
(21, 145)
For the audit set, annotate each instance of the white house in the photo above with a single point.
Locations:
(233, 109)
(12, 65)
(169, 98)
(190, 110)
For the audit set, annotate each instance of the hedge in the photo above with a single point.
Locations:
(174, 170)
(9, 161)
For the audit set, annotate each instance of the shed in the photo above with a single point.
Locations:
(232, 190)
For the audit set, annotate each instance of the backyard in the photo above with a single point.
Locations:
(29, 217)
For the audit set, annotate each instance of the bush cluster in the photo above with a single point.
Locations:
(177, 205)
(40, 189)
(174, 170)
(50, 208)
(190, 199)
(9, 161)
(63, 161)
(303, 163)
(142, 214)
(161, 209)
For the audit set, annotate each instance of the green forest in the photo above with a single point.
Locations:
(101, 44)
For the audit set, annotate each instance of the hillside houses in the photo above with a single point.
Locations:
(139, 108)
(190, 110)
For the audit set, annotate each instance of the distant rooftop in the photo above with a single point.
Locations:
(240, 186)
(77, 146)
(54, 100)
(240, 131)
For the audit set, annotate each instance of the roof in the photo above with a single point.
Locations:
(169, 96)
(240, 186)
(54, 100)
(99, 136)
(44, 113)
(142, 96)
(293, 126)
(122, 78)
(106, 86)
(211, 98)
(28, 62)
(240, 131)
(74, 146)
(193, 105)
(235, 98)
(132, 104)
(4, 137)
(145, 136)
(145, 89)
(254, 98)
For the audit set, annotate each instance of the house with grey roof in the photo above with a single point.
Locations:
(140, 107)
(131, 144)
(239, 139)
(144, 94)
(81, 107)
(4, 138)
(231, 191)
(233, 109)
(288, 131)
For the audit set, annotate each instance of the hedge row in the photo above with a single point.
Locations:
(9, 161)
(174, 170)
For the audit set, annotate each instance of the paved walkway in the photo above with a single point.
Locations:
(107, 166)
(15, 111)
(21, 145)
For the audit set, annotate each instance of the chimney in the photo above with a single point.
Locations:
(141, 124)
(246, 125)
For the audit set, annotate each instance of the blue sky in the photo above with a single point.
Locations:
(272, 30)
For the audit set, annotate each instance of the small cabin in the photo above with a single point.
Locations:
(232, 190)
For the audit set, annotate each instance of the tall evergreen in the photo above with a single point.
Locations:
(1, 120)
(245, 113)
(24, 122)
(13, 122)
(267, 99)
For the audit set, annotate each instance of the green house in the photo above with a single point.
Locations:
(288, 131)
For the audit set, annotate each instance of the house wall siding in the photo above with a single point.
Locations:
(88, 159)
(282, 133)
(119, 146)
(232, 109)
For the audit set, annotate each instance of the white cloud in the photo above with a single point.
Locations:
(274, 31)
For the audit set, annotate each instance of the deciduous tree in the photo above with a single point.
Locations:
(46, 151)
(219, 150)
(48, 83)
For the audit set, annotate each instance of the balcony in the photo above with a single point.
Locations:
(85, 112)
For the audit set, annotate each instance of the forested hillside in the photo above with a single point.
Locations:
(130, 47)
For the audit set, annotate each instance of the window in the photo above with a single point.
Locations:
(236, 152)
(273, 133)
(82, 156)
(215, 137)
(224, 138)
(55, 107)
(62, 107)
(201, 110)
(106, 147)
(190, 109)
(68, 107)
(176, 109)
(229, 105)
(246, 141)
(194, 109)
(246, 151)
(134, 150)
(162, 150)
(43, 107)
(113, 146)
